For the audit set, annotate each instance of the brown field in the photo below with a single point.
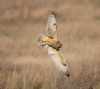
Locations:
(23, 65)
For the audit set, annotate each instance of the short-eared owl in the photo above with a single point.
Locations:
(50, 41)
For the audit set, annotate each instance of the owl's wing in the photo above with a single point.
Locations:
(58, 60)
(51, 27)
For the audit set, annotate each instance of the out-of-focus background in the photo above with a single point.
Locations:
(23, 65)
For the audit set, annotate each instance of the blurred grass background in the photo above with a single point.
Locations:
(23, 65)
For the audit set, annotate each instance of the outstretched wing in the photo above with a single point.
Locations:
(51, 27)
(58, 59)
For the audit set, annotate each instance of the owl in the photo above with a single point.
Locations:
(50, 41)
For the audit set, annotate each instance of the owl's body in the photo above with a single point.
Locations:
(53, 44)
(44, 40)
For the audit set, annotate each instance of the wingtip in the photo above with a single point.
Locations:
(67, 74)
(53, 13)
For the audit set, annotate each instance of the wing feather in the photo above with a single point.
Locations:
(58, 60)
(51, 27)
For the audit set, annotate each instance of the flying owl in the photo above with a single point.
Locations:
(50, 41)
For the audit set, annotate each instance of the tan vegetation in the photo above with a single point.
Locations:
(23, 65)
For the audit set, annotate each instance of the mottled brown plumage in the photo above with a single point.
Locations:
(44, 40)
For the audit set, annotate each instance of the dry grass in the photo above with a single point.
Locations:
(25, 66)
